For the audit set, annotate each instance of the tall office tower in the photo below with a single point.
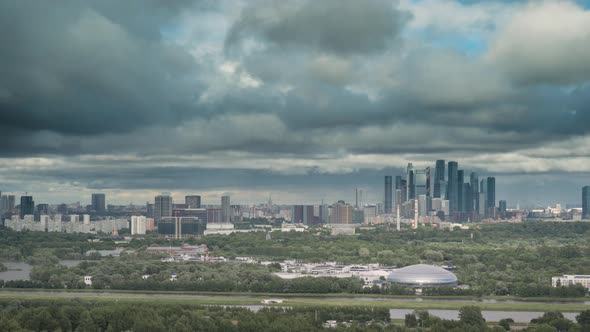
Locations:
(586, 202)
(502, 208)
(193, 201)
(398, 182)
(3, 205)
(341, 214)
(11, 202)
(452, 187)
(421, 182)
(467, 198)
(98, 203)
(162, 206)
(439, 178)
(491, 195)
(302, 214)
(482, 208)
(474, 184)
(404, 190)
(42, 209)
(401, 184)
(388, 193)
(460, 190)
(226, 211)
(411, 182)
(149, 208)
(358, 193)
(398, 200)
(324, 213)
(27, 206)
(423, 205)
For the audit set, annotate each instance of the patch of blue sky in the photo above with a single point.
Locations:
(471, 44)
(171, 31)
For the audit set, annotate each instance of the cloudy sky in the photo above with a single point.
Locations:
(302, 100)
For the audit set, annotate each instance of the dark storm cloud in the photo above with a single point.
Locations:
(89, 68)
(349, 27)
(295, 93)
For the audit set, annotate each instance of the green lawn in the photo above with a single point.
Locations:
(296, 302)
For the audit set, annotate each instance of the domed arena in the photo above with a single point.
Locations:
(423, 275)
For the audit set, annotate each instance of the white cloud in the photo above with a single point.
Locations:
(545, 42)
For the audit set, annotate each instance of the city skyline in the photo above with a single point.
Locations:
(214, 97)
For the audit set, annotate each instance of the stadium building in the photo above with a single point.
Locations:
(423, 275)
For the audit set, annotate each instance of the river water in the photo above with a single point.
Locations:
(21, 270)
(489, 315)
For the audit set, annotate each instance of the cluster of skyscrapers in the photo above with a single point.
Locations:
(445, 193)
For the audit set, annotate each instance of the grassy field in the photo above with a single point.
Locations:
(294, 302)
(308, 295)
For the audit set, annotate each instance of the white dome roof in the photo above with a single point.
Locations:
(423, 274)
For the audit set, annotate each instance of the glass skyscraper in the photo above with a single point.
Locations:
(460, 190)
(491, 192)
(388, 193)
(411, 181)
(453, 186)
(99, 203)
(474, 184)
(27, 206)
(439, 178)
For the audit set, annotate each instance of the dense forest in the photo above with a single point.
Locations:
(493, 259)
(89, 316)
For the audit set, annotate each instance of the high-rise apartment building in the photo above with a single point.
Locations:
(138, 225)
(226, 210)
(162, 206)
(388, 193)
(453, 186)
(586, 202)
(302, 214)
(99, 202)
(193, 201)
(27, 206)
(439, 179)
(341, 214)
